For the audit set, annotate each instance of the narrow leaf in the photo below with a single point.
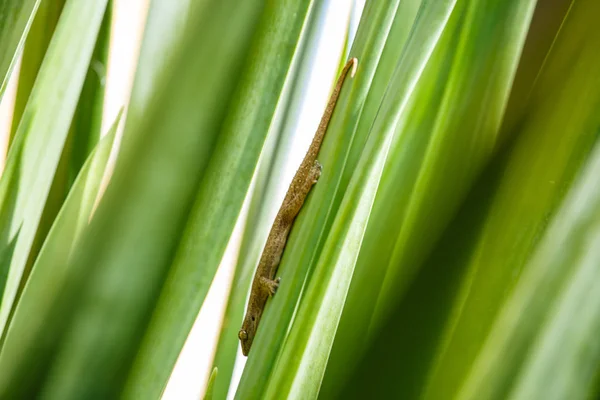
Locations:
(51, 268)
(211, 384)
(16, 17)
(272, 180)
(33, 158)
(95, 327)
(221, 193)
(36, 44)
(301, 366)
(522, 193)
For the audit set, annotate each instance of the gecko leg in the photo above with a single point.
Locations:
(315, 172)
(269, 285)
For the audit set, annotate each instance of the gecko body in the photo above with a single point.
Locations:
(307, 175)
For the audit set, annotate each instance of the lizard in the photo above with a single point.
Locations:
(263, 285)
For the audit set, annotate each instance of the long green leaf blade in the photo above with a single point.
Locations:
(445, 315)
(34, 155)
(399, 31)
(36, 44)
(301, 366)
(554, 137)
(220, 195)
(465, 134)
(16, 17)
(559, 290)
(87, 121)
(81, 140)
(166, 24)
(51, 270)
(557, 286)
(272, 180)
(97, 323)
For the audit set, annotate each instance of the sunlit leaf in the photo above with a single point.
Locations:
(38, 39)
(39, 141)
(51, 268)
(220, 194)
(271, 183)
(16, 17)
(119, 265)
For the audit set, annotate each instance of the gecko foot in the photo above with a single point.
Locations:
(315, 172)
(270, 285)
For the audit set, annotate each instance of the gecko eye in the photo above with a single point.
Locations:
(242, 335)
(253, 318)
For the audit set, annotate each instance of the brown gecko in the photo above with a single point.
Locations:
(307, 175)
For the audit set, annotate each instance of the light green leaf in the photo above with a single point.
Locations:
(465, 134)
(220, 195)
(33, 158)
(166, 25)
(524, 188)
(211, 384)
(87, 121)
(16, 17)
(36, 44)
(556, 301)
(269, 190)
(81, 139)
(301, 366)
(303, 246)
(119, 266)
(51, 268)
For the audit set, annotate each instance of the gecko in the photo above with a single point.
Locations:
(263, 285)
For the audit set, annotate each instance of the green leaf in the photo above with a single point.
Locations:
(558, 287)
(269, 190)
(36, 44)
(51, 268)
(119, 266)
(211, 384)
(220, 195)
(465, 133)
(166, 25)
(16, 17)
(525, 187)
(399, 24)
(545, 24)
(33, 158)
(82, 137)
(87, 121)
(308, 235)
(301, 365)
(439, 325)
(559, 291)
(448, 139)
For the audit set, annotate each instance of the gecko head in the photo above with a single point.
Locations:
(246, 334)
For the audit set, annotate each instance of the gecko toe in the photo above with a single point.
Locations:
(316, 172)
(270, 285)
(275, 286)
